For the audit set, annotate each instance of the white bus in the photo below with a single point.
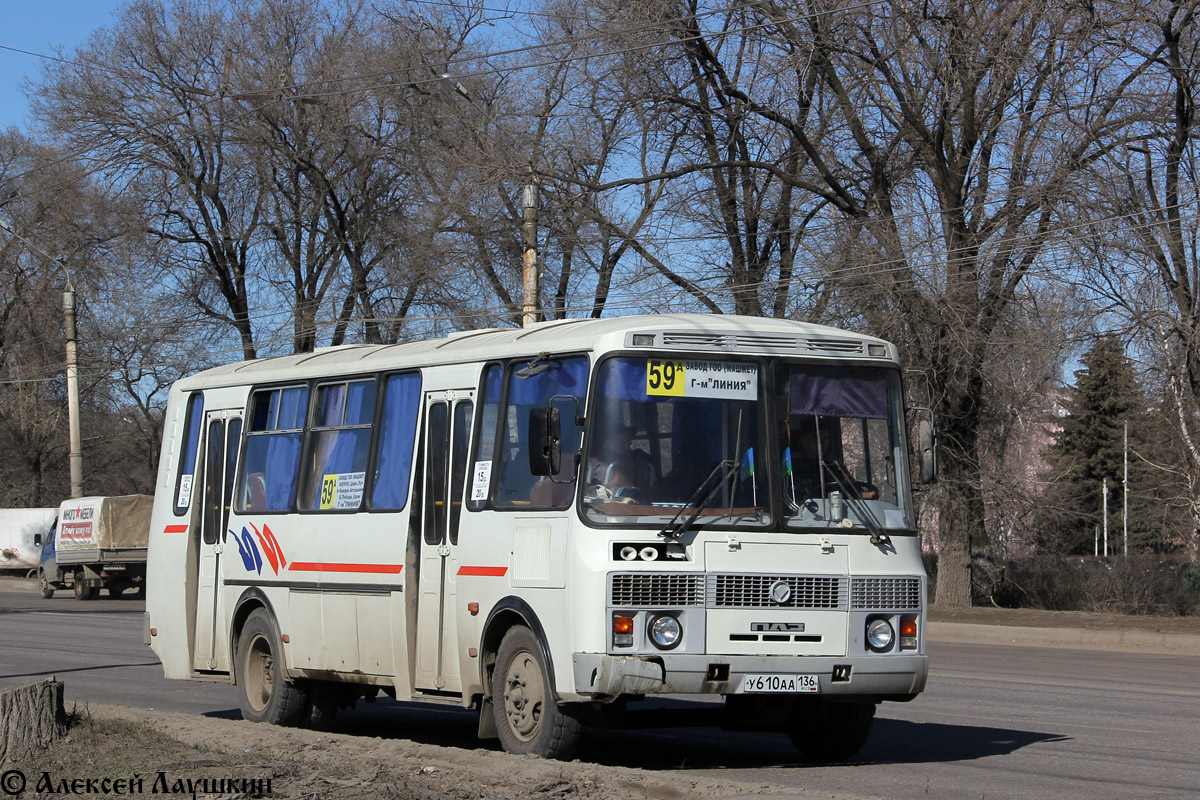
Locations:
(548, 524)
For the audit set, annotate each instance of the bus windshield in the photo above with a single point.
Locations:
(674, 438)
(707, 442)
(841, 449)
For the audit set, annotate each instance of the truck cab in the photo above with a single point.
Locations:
(48, 577)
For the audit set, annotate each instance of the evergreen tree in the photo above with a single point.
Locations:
(1091, 447)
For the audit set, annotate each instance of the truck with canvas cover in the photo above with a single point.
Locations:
(97, 542)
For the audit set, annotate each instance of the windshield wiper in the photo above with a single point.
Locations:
(724, 469)
(856, 503)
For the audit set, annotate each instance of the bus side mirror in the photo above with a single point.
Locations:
(545, 441)
(37, 540)
(927, 450)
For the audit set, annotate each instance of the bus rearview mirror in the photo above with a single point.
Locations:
(927, 450)
(545, 441)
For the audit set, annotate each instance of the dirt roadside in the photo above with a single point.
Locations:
(179, 755)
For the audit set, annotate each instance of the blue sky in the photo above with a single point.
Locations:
(39, 26)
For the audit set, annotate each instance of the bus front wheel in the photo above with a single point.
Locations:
(828, 732)
(264, 692)
(528, 719)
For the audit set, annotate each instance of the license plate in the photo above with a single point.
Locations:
(783, 684)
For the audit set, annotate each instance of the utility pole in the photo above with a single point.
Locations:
(1105, 493)
(529, 255)
(76, 456)
(529, 221)
(1125, 493)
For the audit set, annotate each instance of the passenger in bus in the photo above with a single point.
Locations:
(256, 493)
(810, 442)
(617, 471)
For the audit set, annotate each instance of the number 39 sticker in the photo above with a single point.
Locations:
(664, 378)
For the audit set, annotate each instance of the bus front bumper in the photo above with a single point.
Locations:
(605, 677)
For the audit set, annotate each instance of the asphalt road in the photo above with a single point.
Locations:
(996, 721)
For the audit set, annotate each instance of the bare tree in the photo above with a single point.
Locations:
(939, 139)
(1144, 220)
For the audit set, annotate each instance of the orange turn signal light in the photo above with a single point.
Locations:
(908, 627)
(622, 624)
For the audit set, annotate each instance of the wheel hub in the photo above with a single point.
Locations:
(524, 694)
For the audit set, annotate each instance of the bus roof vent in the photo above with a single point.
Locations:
(758, 341)
(700, 341)
(835, 345)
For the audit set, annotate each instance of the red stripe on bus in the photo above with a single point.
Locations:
(176, 529)
(494, 572)
(316, 566)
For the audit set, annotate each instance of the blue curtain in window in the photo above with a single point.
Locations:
(623, 379)
(360, 404)
(292, 408)
(398, 431)
(845, 395)
(279, 470)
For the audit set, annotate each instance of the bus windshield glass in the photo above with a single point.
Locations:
(693, 442)
(842, 456)
(676, 439)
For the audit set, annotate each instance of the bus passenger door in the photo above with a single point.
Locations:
(223, 436)
(447, 436)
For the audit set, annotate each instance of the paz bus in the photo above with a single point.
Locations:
(550, 525)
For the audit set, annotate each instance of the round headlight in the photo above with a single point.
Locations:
(665, 632)
(880, 634)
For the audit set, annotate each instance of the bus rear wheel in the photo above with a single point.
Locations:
(528, 719)
(264, 692)
(830, 732)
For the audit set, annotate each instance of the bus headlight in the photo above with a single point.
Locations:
(665, 631)
(880, 635)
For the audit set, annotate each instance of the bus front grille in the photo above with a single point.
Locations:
(885, 594)
(725, 590)
(767, 591)
(656, 589)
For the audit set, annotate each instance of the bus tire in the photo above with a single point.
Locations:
(264, 691)
(829, 732)
(44, 585)
(528, 718)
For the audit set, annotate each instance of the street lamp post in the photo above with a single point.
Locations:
(76, 455)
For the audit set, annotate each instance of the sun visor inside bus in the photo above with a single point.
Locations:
(859, 396)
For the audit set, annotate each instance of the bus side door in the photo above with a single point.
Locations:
(447, 437)
(223, 437)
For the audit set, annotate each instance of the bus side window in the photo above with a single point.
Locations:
(268, 481)
(397, 433)
(187, 459)
(563, 379)
(339, 442)
(485, 447)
